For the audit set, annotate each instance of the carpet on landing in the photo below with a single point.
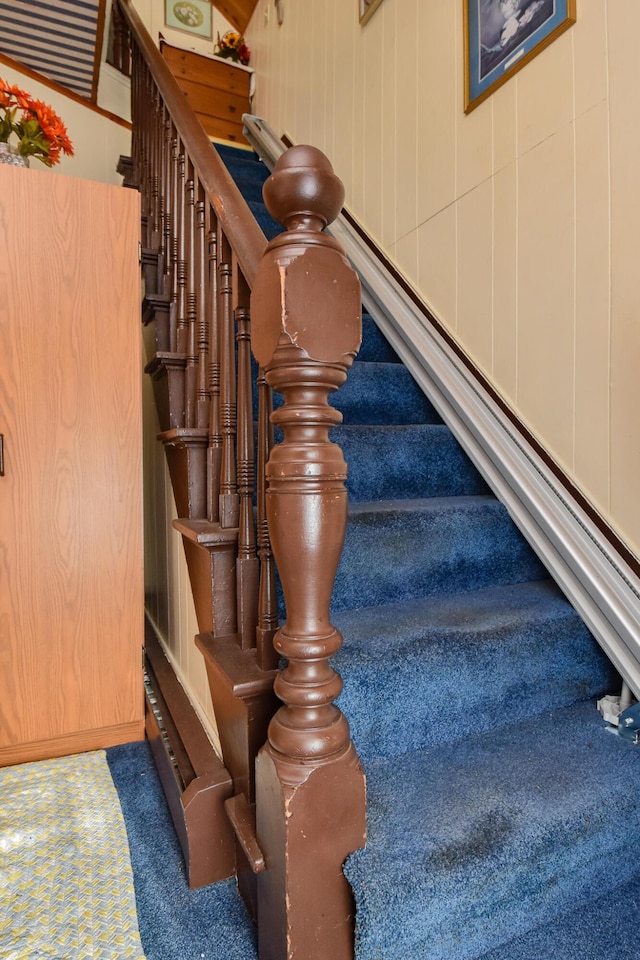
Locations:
(66, 888)
(176, 923)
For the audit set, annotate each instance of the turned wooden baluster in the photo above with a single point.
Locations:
(247, 562)
(214, 452)
(202, 402)
(168, 208)
(309, 784)
(228, 412)
(147, 163)
(173, 249)
(120, 54)
(162, 204)
(181, 263)
(144, 163)
(267, 655)
(155, 134)
(135, 117)
(191, 369)
(136, 93)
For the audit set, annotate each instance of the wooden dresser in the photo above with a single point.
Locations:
(218, 91)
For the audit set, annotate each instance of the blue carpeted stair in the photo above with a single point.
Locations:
(501, 812)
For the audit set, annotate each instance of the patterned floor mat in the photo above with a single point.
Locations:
(66, 888)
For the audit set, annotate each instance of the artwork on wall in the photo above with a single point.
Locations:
(367, 8)
(502, 35)
(191, 16)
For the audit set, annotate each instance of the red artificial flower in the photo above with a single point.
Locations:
(40, 131)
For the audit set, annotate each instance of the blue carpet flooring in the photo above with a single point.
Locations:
(503, 817)
(175, 923)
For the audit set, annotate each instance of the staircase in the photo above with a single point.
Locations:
(498, 806)
(500, 810)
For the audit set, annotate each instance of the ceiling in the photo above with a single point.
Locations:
(56, 38)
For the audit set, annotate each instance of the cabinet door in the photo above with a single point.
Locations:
(71, 580)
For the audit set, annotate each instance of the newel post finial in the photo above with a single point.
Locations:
(306, 331)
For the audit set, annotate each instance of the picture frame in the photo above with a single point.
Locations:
(190, 16)
(501, 36)
(366, 9)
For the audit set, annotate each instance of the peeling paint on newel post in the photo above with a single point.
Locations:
(310, 792)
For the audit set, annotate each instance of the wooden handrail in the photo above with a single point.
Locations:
(245, 236)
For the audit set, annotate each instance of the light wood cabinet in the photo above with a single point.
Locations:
(71, 577)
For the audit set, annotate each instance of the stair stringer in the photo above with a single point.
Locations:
(594, 575)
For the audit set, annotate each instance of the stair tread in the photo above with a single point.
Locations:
(431, 505)
(493, 835)
(603, 928)
(466, 662)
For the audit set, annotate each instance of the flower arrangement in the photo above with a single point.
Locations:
(38, 129)
(231, 46)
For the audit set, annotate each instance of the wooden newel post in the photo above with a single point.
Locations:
(310, 800)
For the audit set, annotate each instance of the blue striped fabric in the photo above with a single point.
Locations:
(57, 40)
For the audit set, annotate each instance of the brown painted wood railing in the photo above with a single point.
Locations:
(118, 44)
(295, 793)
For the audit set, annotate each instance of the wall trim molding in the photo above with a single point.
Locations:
(596, 570)
(79, 742)
(63, 91)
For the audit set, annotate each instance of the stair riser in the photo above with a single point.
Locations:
(382, 393)
(388, 558)
(461, 683)
(406, 462)
(375, 348)
(396, 401)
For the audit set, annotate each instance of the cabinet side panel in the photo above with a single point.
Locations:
(71, 588)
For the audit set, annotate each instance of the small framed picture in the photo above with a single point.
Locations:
(190, 16)
(367, 8)
(502, 35)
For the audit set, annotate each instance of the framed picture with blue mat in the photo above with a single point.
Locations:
(501, 36)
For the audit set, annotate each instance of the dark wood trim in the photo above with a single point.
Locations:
(198, 748)
(28, 72)
(243, 820)
(242, 230)
(195, 781)
(80, 742)
(97, 51)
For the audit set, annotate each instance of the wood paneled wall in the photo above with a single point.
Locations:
(517, 223)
